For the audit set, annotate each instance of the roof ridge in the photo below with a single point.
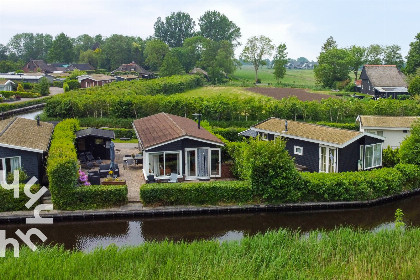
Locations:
(7, 126)
(183, 131)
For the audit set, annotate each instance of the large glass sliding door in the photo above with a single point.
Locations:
(327, 159)
(202, 163)
(191, 163)
(164, 163)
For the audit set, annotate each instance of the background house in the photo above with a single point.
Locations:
(6, 85)
(319, 148)
(383, 81)
(94, 140)
(38, 66)
(394, 129)
(27, 77)
(24, 143)
(173, 144)
(87, 81)
(134, 67)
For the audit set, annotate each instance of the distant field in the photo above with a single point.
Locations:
(302, 78)
(208, 91)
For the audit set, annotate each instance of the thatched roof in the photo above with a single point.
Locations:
(387, 121)
(385, 76)
(25, 134)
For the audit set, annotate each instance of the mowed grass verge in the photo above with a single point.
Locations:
(338, 254)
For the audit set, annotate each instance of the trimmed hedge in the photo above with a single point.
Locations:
(22, 94)
(230, 134)
(363, 185)
(9, 203)
(196, 193)
(350, 126)
(123, 132)
(93, 197)
(4, 107)
(62, 170)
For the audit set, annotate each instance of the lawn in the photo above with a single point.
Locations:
(295, 78)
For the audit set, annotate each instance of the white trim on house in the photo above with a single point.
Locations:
(21, 148)
(327, 163)
(3, 160)
(373, 151)
(181, 138)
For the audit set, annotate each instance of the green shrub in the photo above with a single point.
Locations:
(414, 86)
(410, 147)
(350, 126)
(348, 186)
(22, 94)
(15, 105)
(390, 157)
(22, 176)
(197, 193)
(123, 132)
(230, 134)
(93, 197)
(57, 84)
(66, 87)
(9, 203)
(20, 87)
(411, 175)
(44, 86)
(73, 84)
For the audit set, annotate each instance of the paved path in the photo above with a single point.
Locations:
(133, 174)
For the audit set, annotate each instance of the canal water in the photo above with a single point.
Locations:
(88, 235)
(31, 115)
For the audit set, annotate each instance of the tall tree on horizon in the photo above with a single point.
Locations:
(280, 61)
(413, 56)
(356, 59)
(175, 29)
(255, 50)
(217, 27)
(61, 49)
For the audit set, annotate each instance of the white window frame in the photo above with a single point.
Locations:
(3, 160)
(147, 162)
(264, 136)
(187, 177)
(375, 146)
(296, 152)
(327, 164)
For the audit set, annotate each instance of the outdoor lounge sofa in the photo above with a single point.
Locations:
(104, 170)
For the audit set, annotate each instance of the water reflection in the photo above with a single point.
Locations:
(126, 232)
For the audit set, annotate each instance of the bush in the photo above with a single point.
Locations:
(349, 186)
(66, 87)
(73, 84)
(20, 87)
(57, 84)
(22, 176)
(414, 86)
(411, 175)
(93, 197)
(197, 193)
(15, 105)
(390, 157)
(230, 134)
(9, 203)
(44, 86)
(22, 94)
(350, 126)
(410, 147)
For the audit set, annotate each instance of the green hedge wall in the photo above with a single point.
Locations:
(16, 105)
(196, 193)
(62, 170)
(22, 94)
(9, 203)
(363, 185)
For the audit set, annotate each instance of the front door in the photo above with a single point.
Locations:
(327, 159)
(203, 162)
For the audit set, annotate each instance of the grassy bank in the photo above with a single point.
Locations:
(339, 254)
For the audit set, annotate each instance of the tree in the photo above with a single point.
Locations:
(28, 46)
(255, 50)
(410, 147)
(392, 56)
(280, 61)
(414, 86)
(175, 29)
(3, 52)
(302, 60)
(155, 53)
(61, 49)
(218, 27)
(20, 88)
(413, 57)
(374, 54)
(91, 57)
(10, 66)
(333, 65)
(171, 66)
(118, 49)
(44, 86)
(329, 44)
(356, 59)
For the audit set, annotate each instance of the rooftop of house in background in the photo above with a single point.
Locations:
(161, 128)
(38, 66)
(4, 82)
(25, 134)
(81, 67)
(95, 132)
(96, 77)
(131, 67)
(387, 121)
(383, 76)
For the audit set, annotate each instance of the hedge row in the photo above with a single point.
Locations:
(125, 104)
(350, 126)
(22, 94)
(196, 193)
(363, 185)
(9, 203)
(62, 170)
(123, 132)
(4, 107)
(230, 134)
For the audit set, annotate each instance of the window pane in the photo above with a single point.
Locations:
(369, 156)
(331, 165)
(191, 163)
(161, 165)
(172, 163)
(323, 159)
(215, 159)
(378, 153)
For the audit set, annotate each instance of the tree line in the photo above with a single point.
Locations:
(335, 64)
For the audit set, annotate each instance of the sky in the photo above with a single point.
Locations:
(303, 25)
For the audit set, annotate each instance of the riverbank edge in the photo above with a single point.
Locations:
(133, 210)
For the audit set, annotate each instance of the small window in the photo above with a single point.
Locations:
(380, 133)
(298, 150)
(264, 136)
(405, 131)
